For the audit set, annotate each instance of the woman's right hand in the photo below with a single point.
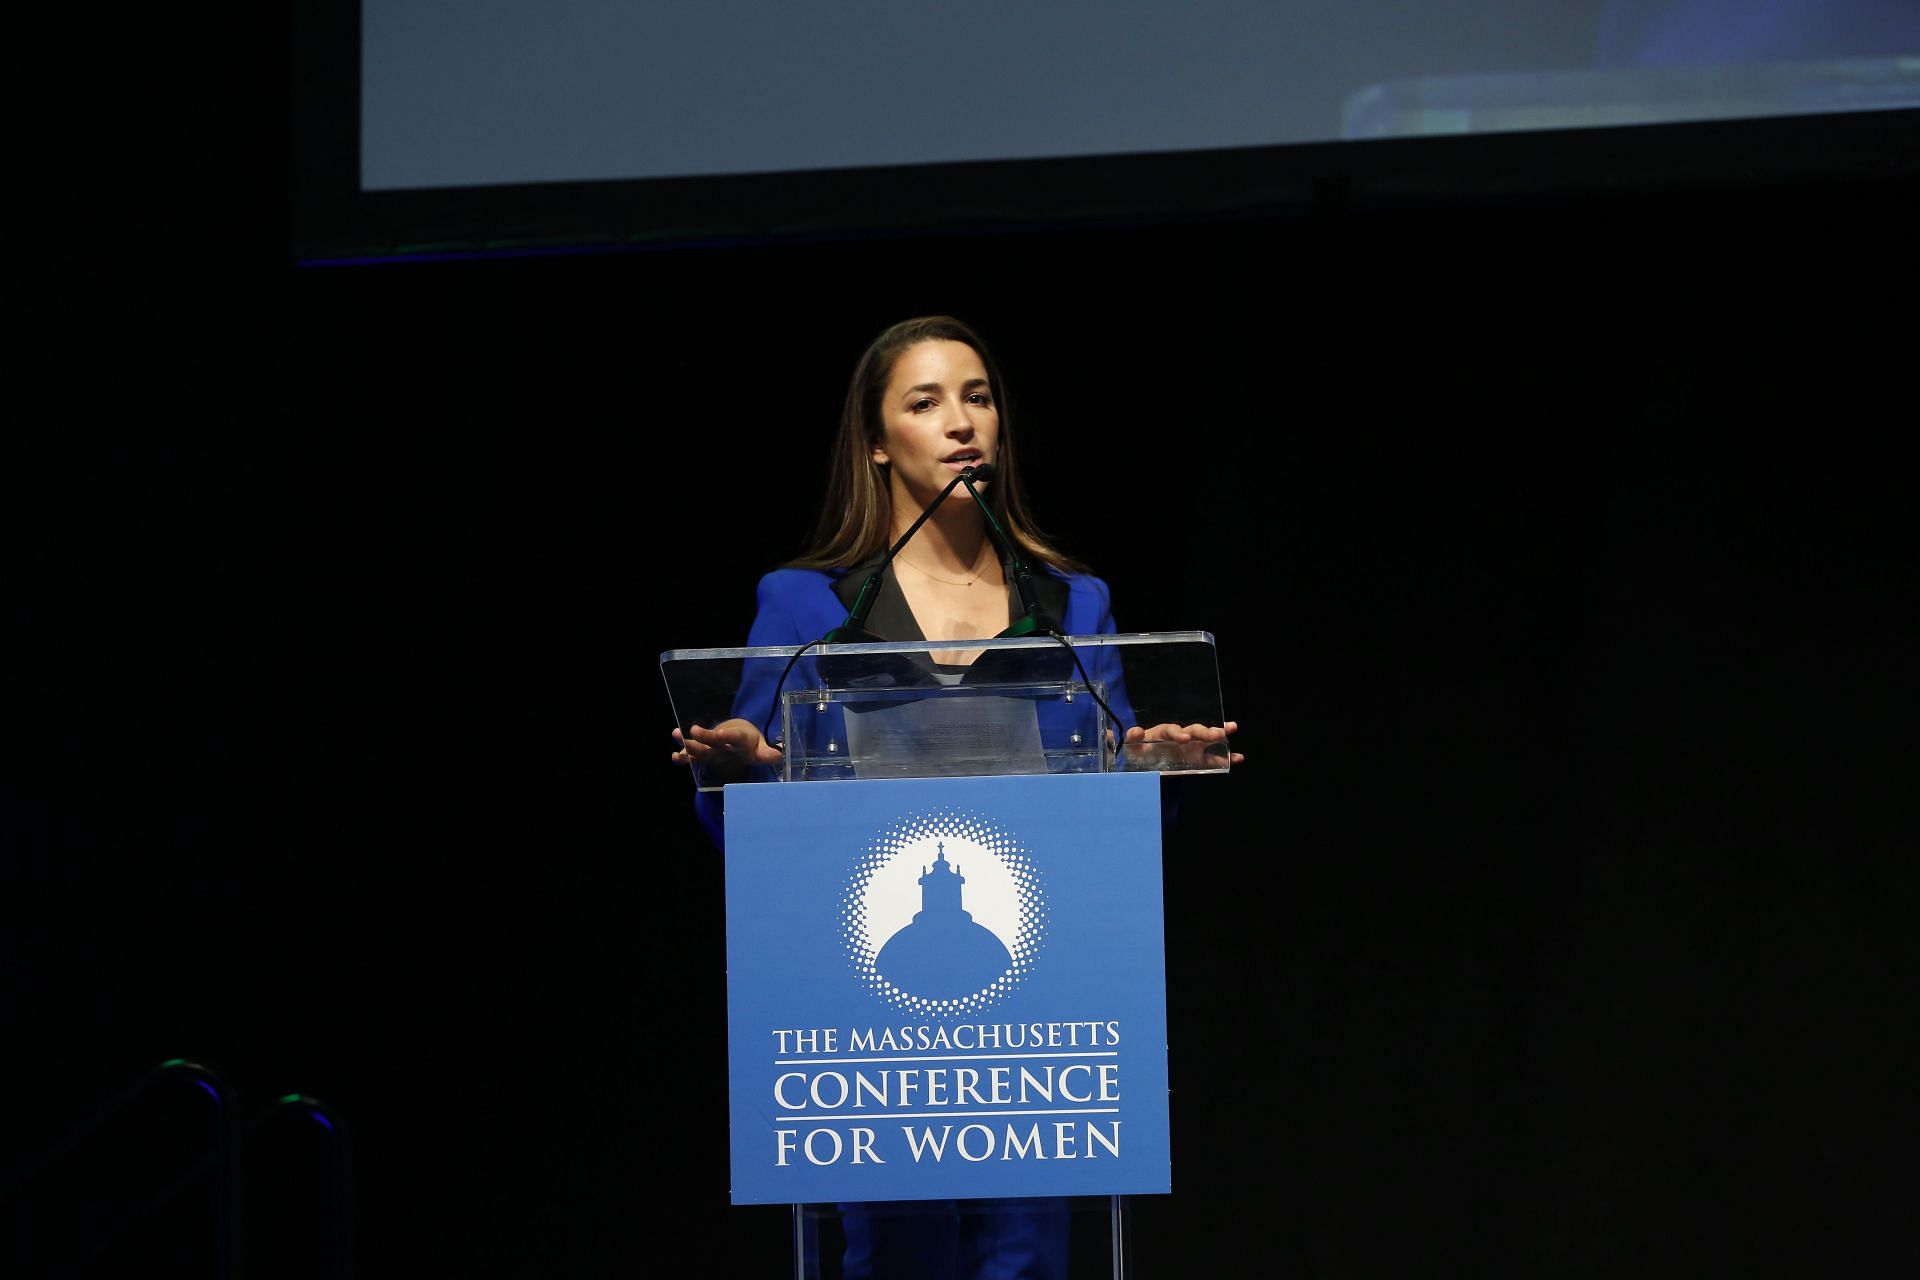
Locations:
(729, 746)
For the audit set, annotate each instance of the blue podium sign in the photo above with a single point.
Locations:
(946, 988)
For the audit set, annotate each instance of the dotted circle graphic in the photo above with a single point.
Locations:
(970, 836)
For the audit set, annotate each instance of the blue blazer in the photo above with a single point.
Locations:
(799, 606)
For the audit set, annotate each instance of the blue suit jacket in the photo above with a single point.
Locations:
(799, 606)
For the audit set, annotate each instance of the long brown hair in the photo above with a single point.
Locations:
(856, 516)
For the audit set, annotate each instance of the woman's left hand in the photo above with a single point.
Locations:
(1204, 735)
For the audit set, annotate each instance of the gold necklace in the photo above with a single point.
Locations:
(949, 581)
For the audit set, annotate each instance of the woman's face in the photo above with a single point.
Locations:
(937, 416)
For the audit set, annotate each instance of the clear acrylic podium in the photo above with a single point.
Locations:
(931, 709)
(901, 710)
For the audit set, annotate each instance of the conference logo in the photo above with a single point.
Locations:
(943, 913)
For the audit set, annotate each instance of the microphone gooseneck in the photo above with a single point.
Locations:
(854, 629)
(1032, 619)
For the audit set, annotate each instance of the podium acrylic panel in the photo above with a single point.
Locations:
(1078, 694)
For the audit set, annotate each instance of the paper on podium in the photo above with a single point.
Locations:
(956, 737)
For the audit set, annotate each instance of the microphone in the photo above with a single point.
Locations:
(1032, 618)
(854, 629)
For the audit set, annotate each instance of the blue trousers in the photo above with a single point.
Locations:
(957, 1239)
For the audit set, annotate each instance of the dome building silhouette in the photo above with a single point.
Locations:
(943, 953)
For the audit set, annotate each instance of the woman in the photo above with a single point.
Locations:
(924, 404)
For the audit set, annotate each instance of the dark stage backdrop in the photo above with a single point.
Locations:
(1559, 556)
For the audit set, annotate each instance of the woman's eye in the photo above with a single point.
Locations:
(922, 405)
(980, 398)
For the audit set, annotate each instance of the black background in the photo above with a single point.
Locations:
(1557, 546)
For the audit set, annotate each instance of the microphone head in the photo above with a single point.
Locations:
(982, 473)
